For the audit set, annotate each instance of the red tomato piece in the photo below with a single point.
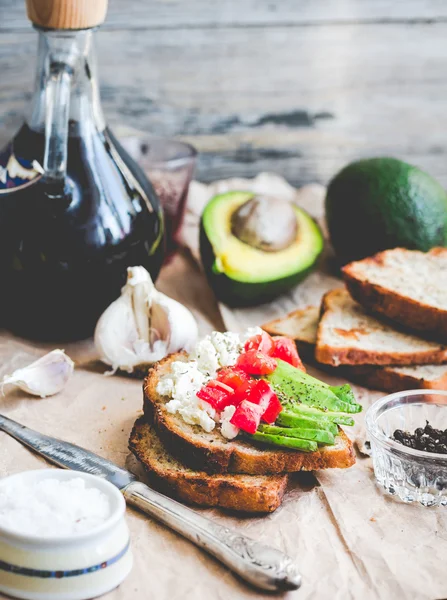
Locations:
(220, 385)
(232, 376)
(247, 416)
(260, 393)
(243, 392)
(285, 349)
(216, 394)
(263, 395)
(262, 342)
(273, 409)
(254, 362)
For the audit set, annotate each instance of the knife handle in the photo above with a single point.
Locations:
(262, 566)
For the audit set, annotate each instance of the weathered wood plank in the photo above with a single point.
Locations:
(301, 102)
(174, 14)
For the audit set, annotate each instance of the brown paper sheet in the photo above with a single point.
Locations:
(349, 540)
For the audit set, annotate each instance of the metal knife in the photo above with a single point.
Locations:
(262, 566)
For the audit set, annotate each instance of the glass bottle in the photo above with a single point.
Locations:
(75, 209)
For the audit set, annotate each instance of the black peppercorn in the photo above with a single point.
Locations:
(425, 438)
(398, 435)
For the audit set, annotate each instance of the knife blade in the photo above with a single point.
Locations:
(262, 566)
(66, 455)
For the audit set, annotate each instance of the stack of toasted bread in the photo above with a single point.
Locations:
(387, 329)
(207, 469)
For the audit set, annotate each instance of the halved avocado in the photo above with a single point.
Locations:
(242, 274)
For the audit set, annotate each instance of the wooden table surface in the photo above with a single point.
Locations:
(299, 87)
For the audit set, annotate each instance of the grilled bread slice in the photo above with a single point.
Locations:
(248, 493)
(407, 286)
(348, 335)
(302, 326)
(213, 453)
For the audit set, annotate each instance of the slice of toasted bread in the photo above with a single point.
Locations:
(302, 326)
(248, 493)
(213, 453)
(348, 335)
(407, 286)
(398, 379)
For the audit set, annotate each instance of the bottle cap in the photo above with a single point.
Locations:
(67, 14)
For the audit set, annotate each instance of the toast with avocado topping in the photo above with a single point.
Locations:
(247, 493)
(302, 326)
(407, 286)
(348, 335)
(213, 453)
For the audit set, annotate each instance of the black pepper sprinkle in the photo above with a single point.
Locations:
(425, 438)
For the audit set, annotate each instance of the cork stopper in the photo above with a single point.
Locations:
(67, 14)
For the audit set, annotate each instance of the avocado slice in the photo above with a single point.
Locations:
(242, 274)
(285, 442)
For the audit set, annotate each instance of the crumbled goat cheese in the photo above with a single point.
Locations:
(184, 381)
(51, 507)
(206, 356)
(187, 377)
(227, 429)
(228, 346)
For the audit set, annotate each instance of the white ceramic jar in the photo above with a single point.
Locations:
(76, 567)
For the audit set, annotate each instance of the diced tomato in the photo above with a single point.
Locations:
(242, 392)
(260, 393)
(273, 409)
(262, 342)
(285, 349)
(247, 416)
(232, 376)
(263, 395)
(254, 362)
(216, 394)
(220, 385)
(256, 396)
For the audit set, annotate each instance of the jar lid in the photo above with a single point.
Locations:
(67, 14)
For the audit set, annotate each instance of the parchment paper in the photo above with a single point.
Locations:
(349, 540)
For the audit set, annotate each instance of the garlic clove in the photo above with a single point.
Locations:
(44, 377)
(142, 326)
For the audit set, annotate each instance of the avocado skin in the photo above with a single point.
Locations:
(381, 203)
(238, 294)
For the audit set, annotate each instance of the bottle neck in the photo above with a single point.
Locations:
(75, 49)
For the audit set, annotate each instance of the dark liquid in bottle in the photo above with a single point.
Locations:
(62, 264)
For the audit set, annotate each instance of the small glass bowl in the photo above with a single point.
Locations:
(412, 475)
(169, 164)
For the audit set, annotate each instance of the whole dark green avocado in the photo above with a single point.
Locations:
(382, 203)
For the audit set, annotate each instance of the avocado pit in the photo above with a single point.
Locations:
(266, 223)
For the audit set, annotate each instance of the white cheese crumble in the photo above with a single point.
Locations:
(206, 356)
(187, 377)
(227, 429)
(182, 384)
(51, 507)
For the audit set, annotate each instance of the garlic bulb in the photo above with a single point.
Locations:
(45, 376)
(143, 325)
